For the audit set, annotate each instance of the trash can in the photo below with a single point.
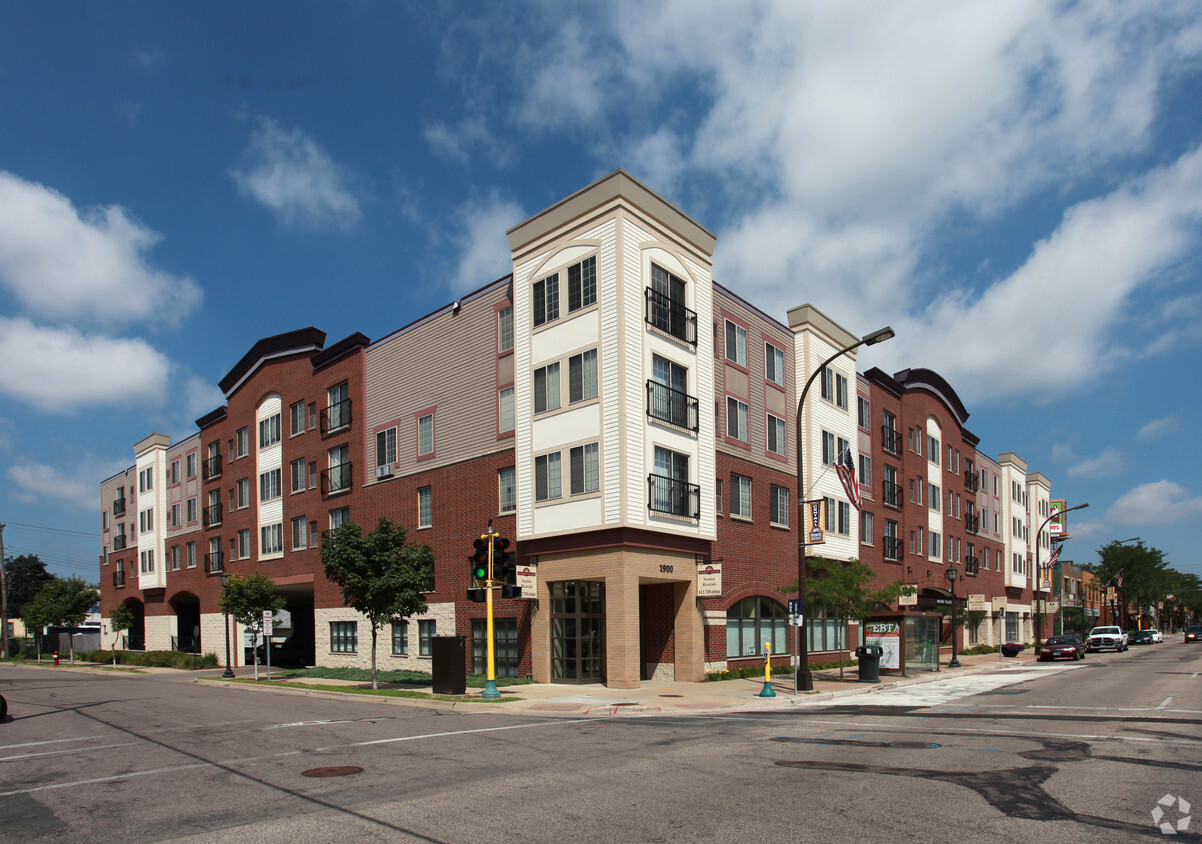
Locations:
(869, 657)
(1011, 649)
(448, 667)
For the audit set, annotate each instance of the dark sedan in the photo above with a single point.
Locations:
(1061, 647)
(1141, 637)
(1193, 633)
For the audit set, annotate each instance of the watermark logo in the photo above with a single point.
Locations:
(1159, 815)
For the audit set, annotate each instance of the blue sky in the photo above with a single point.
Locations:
(1015, 187)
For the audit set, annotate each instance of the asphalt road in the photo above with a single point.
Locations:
(1078, 752)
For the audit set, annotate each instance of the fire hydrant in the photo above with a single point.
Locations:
(56, 657)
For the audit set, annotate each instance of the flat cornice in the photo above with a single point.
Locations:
(807, 314)
(618, 185)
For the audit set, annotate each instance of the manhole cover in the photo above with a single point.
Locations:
(333, 771)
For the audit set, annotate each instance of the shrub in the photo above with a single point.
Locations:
(150, 659)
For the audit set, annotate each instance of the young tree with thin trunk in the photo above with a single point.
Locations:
(247, 598)
(121, 618)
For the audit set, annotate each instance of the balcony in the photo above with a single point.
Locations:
(212, 515)
(665, 404)
(972, 524)
(212, 468)
(891, 494)
(119, 579)
(673, 497)
(891, 546)
(336, 479)
(214, 563)
(971, 482)
(972, 564)
(118, 506)
(671, 317)
(336, 417)
(119, 542)
(891, 441)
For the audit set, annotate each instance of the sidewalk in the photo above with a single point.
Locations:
(653, 698)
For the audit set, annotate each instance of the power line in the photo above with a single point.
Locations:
(92, 535)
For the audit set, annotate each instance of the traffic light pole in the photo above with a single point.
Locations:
(490, 685)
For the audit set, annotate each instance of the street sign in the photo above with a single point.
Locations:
(976, 603)
(267, 622)
(795, 606)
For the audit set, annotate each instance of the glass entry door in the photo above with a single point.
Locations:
(577, 632)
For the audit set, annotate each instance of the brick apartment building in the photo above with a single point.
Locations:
(629, 424)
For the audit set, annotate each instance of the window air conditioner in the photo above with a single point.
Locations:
(384, 471)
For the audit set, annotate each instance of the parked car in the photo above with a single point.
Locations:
(1106, 638)
(1193, 633)
(1141, 637)
(1157, 636)
(1061, 647)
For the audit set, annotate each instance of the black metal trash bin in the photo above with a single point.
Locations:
(869, 657)
(448, 665)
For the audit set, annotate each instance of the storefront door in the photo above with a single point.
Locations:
(577, 632)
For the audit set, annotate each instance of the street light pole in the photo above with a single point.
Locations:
(804, 678)
(951, 574)
(1109, 583)
(228, 674)
(1039, 572)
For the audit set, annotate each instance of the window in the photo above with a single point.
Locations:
(546, 388)
(740, 496)
(386, 447)
(832, 447)
(890, 439)
(752, 622)
(146, 520)
(582, 284)
(505, 329)
(146, 480)
(190, 465)
(425, 435)
(774, 364)
(585, 469)
(242, 442)
(546, 300)
(582, 376)
(933, 449)
(934, 496)
(173, 473)
(736, 420)
(296, 418)
(736, 344)
(865, 528)
(863, 412)
(778, 505)
(191, 510)
(242, 493)
(425, 507)
(269, 485)
(864, 474)
(213, 514)
(400, 629)
(776, 435)
(299, 474)
(666, 308)
(174, 520)
(507, 490)
(505, 646)
(505, 410)
(834, 387)
(344, 637)
(300, 533)
(339, 471)
(312, 416)
(339, 517)
(269, 431)
(191, 555)
(173, 565)
(669, 399)
(244, 544)
(271, 540)
(935, 540)
(426, 631)
(338, 414)
(147, 561)
(547, 477)
(892, 549)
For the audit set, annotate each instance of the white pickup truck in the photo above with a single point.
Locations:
(1104, 638)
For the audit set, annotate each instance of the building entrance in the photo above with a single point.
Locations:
(577, 632)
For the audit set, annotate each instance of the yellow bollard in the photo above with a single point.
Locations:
(767, 691)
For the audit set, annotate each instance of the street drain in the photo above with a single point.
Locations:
(333, 771)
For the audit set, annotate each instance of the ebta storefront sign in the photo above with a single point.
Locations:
(886, 634)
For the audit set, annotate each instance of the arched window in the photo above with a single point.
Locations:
(754, 621)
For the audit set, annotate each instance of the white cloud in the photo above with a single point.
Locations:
(59, 369)
(292, 175)
(1160, 503)
(459, 141)
(483, 248)
(200, 397)
(61, 263)
(78, 488)
(1109, 462)
(1158, 428)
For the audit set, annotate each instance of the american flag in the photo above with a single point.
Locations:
(1055, 556)
(846, 468)
(1119, 579)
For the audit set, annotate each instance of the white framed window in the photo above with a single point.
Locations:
(146, 520)
(400, 638)
(505, 329)
(386, 447)
(242, 493)
(299, 471)
(834, 387)
(584, 468)
(740, 496)
(296, 418)
(300, 533)
(191, 510)
(866, 537)
(173, 517)
(933, 449)
(545, 300)
(427, 629)
(582, 376)
(175, 558)
(191, 555)
(506, 419)
(173, 473)
(338, 413)
(271, 539)
(934, 496)
(582, 284)
(736, 344)
(935, 541)
(344, 637)
(269, 485)
(244, 544)
(843, 525)
(242, 442)
(507, 490)
(779, 505)
(339, 517)
(425, 435)
(546, 388)
(832, 447)
(425, 507)
(269, 431)
(547, 477)
(774, 364)
(737, 427)
(777, 444)
(863, 412)
(190, 465)
(864, 473)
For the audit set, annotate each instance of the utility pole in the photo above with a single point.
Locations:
(3, 600)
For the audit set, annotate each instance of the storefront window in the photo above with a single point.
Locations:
(754, 621)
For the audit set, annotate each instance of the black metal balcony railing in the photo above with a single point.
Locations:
(212, 515)
(891, 440)
(118, 506)
(972, 564)
(672, 406)
(212, 467)
(671, 317)
(892, 547)
(119, 542)
(971, 482)
(336, 417)
(119, 579)
(336, 479)
(676, 498)
(972, 524)
(891, 494)
(214, 563)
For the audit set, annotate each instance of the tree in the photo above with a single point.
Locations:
(61, 603)
(380, 574)
(246, 599)
(1145, 575)
(842, 590)
(24, 576)
(121, 618)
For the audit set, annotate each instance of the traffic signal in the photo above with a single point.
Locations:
(502, 560)
(476, 596)
(478, 571)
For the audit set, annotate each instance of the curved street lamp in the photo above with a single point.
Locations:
(951, 574)
(228, 674)
(804, 676)
(1039, 572)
